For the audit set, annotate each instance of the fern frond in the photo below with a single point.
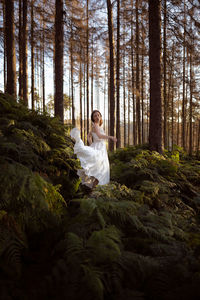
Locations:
(92, 280)
(104, 245)
(88, 206)
(139, 266)
(75, 248)
(10, 251)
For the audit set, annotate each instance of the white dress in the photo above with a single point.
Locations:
(94, 159)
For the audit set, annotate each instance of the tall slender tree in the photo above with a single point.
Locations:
(137, 75)
(10, 47)
(112, 74)
(184, 100)
(165, 74)
(24, 55)
(118, 135)
(58, 104)
(32, 57)
(191, 102)
(155, 130)
(20, 70)
(133, 77)
(43, 58)
(87, 62)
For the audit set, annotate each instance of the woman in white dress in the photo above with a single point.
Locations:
(94, 158)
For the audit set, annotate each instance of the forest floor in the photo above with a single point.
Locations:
(136, 238)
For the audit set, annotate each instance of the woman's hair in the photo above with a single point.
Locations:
(101, 121)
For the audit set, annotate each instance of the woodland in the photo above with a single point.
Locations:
(137, 237)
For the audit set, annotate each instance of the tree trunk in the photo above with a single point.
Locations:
(155, 128)
(10, 47)
(43, 61)
(4, 52)
(165, 76)
(24, 55)
(92, 77)
(80, 85)
(133, 79)
(183, 101)
(112, 77)
(32, 59)
(124, 85)
(87, 65)
(198, 139)
(104, 91)
(172, 94)
(190, 111)
(124, 98)
(72, 71)
(137, 76)
(142, 85)
(178, 122)
(118, 78)
(129, 80)
(58, 103)
(20, 50)
(84, 102)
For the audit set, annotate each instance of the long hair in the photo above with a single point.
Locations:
(101, 121)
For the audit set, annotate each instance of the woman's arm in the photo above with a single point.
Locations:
(102, 136)
(89, 138)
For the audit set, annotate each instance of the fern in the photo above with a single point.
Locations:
(104, 245)
(140, 266)
(11, 246)
(75, 248)
(92, 280)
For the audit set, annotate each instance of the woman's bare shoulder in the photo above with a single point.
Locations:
(95, 127)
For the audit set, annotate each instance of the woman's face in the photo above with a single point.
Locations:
(96, 117)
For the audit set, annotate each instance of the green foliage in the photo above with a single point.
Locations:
(135, 238)
(29, 196)
(38, 142)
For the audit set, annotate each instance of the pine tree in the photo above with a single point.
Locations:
(155, 130)
(59, 111)
(10, 47)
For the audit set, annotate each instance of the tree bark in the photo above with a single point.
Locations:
(4, 50)
(191, 100)
(10, 48)
(165, 76)
(43, 60)
(32, 59)
(155, 128)
(112, 80)
(58, 104)
(118, 78)
(24, 55)
(124, 86)
(183, 101)
(133, 79)
(87, 64)
(92, 77)
(137, 77)
(142, 84)
(72, 71)
(20, 50)
(80, 94)
(198, 139)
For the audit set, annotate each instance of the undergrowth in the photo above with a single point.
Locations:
(136, 238)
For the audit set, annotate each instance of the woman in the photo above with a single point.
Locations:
(94, 158)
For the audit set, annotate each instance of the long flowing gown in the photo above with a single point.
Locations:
(94, 159)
